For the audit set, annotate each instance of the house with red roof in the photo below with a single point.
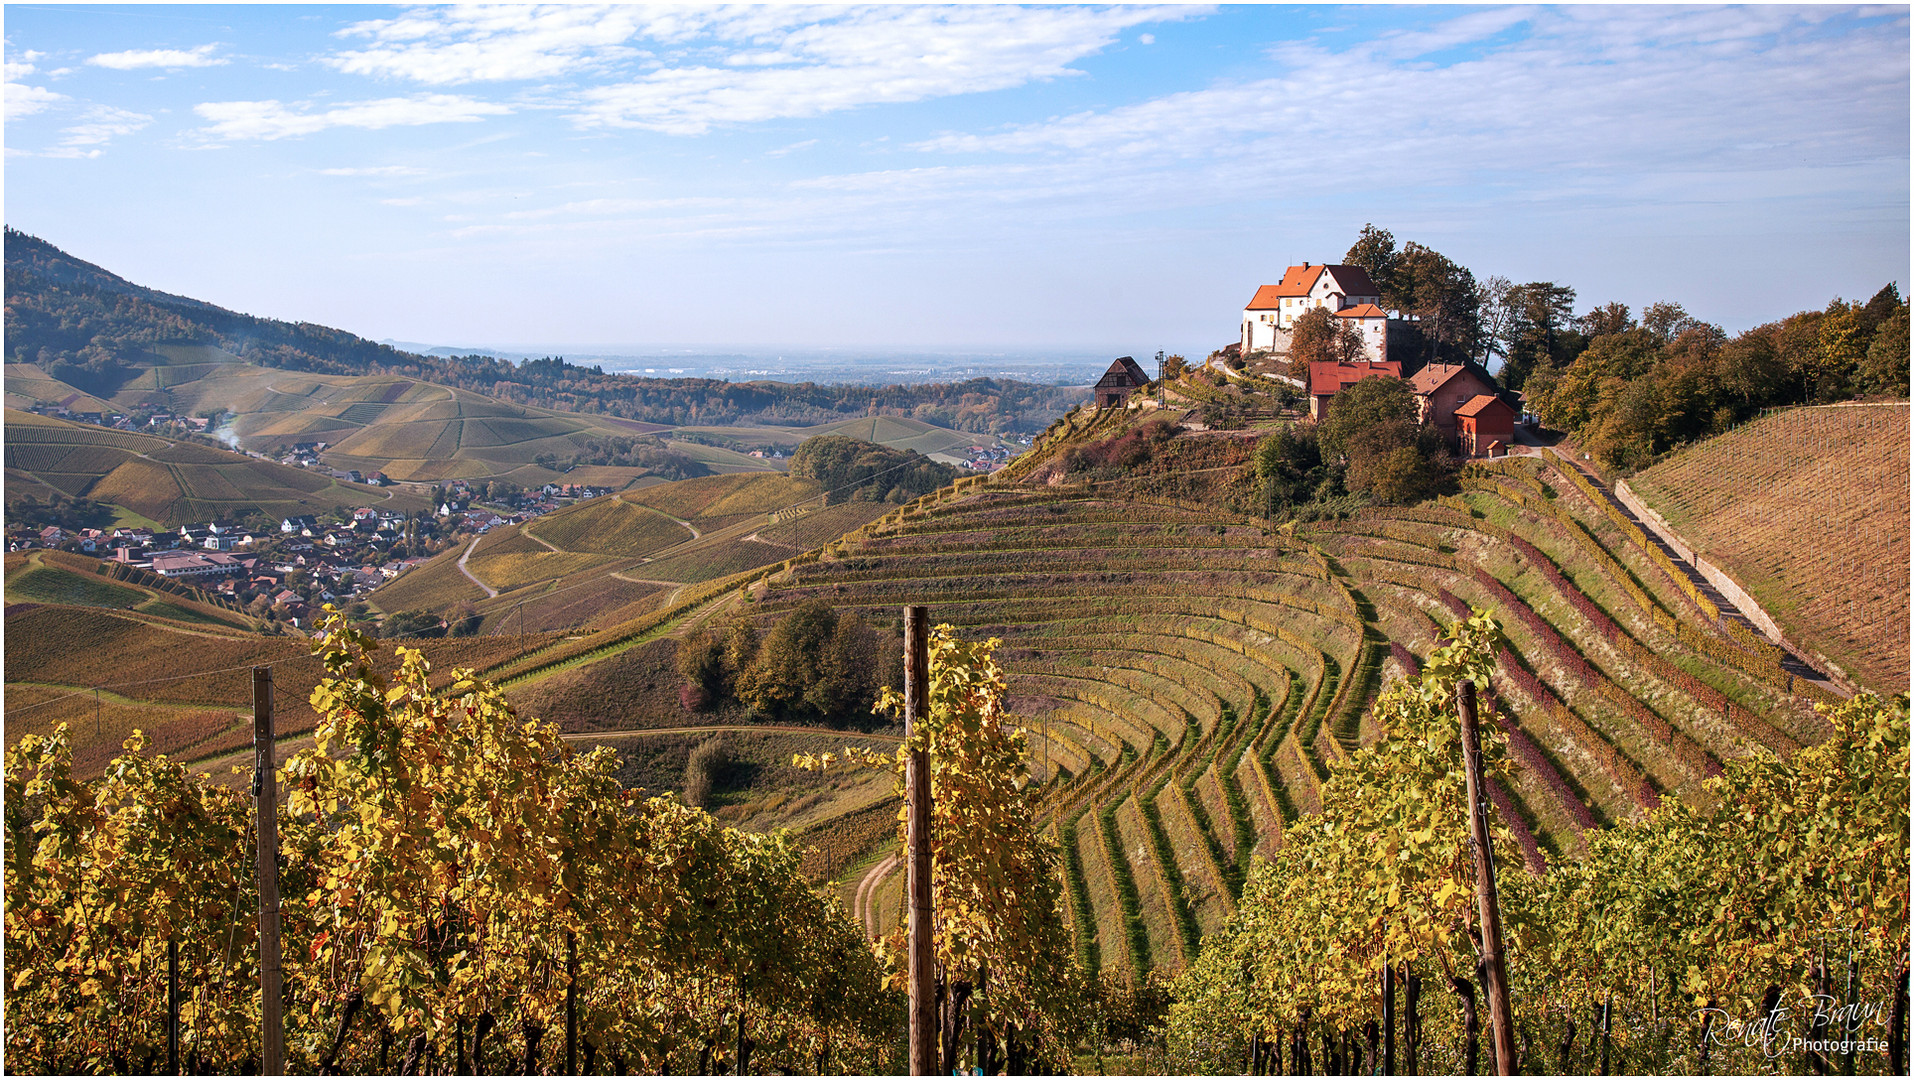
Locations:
(1485, 426)
(1463, 403)
(1345, 290)
(1327, 379)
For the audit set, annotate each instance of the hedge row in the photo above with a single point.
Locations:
(1633, 782)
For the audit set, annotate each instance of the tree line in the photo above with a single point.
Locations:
(1629, 386)
(814, 665)
(855, 470)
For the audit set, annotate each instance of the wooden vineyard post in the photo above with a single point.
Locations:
(172, 1005)
(923, 991)
(1388, 1018)
(272, 1033)
(1494, 974)
(571, 1003)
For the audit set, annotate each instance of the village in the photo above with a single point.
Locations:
(284, 572)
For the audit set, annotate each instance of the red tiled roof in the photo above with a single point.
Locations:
(1432, 376)
(1326, 378)
(1297, 281)
(1362, 311)
(1266, 297)
(1479, 402)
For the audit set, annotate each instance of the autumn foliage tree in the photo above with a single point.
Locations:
(448, 866)
(1006, 964)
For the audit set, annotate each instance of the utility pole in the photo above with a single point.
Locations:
(272, 1035)
(923, 988)
(1495, 975)
(1159, 379)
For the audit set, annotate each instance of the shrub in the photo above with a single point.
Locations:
(707, 763)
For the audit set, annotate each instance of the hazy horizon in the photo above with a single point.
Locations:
(1103, 180)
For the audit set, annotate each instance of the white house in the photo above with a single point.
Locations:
(1345, 290)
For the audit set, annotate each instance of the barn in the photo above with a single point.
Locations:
(1125, 375)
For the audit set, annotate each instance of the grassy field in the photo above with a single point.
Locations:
(408, 429)
(171, 483)
(721, 498)
(899, 432)
(1808, 510)
(610, 527)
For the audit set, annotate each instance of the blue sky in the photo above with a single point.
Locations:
(1111, 179)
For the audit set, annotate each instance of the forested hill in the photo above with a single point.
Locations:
(87, 326)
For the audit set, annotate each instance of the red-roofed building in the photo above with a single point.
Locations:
(1444, 388)
(1345, 290)
(1485, 426)
(1327, 379)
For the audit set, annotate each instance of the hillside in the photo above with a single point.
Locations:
(901, 433)
(79, 324)
(188, 686)
(157, 481)
(608, 560)
(1807, 509)
(1191, 675)
(57, 577)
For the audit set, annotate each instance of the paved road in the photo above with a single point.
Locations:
(489, 591)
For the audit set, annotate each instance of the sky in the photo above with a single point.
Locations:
(1090, 179)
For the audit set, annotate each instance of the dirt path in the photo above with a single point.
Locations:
(695, 534)
(489, 591)
(862, 909)
(526, 530)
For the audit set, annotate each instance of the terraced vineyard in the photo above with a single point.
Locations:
(1807, 510)
(1188, 678)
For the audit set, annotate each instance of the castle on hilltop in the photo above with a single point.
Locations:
(1345, 290)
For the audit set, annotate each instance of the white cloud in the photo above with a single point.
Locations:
(1589, 94)
(792, 148)
(24, 100)
(98, 126)
(441, 46)
(732, 65)
(273, 120)
(201, 56)
(375, 170)
(860, 57)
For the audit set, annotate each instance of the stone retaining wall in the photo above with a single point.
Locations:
(1728, 587)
